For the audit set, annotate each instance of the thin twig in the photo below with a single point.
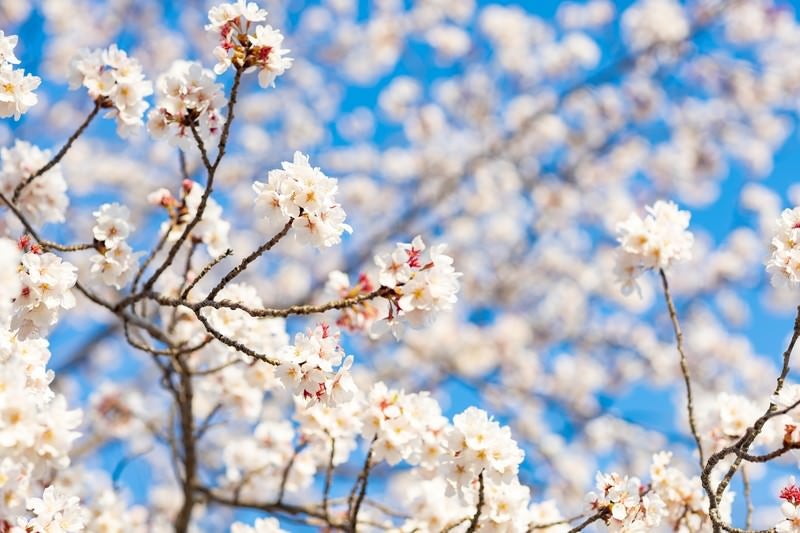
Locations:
(60, 155)
(206, 269)
(287, 470)
(238, 269)
(357, 496)
(600, 515)
(328, 479)
(473, 523)
(747, 498)
(684, 366)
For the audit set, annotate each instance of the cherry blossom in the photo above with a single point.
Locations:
(187, 96)
(260, 50)
(115, 82)
(302, 192)
(657, 241)
(43, 200)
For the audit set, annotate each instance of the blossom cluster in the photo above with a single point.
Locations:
(115, 262)
(480, 445)
(784, 262)
(684, 500)
(36, 433)
(187, 97)
(727, 419)
(404, 427)
(46, 282)
(303, 193)
(424, 282)
(260, 49)
(654, 22)
(629, 506)
(115, 82)
(16, 87)
(655, 242)
(43, 200)
(55, 511)
(307, 368)
(473, 455)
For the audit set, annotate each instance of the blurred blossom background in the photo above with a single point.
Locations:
(520, 133)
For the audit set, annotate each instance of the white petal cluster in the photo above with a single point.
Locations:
(45, 198)
(115, 263)
(656, 242)
(784, 262)
(684, 498)
(260, 50)
(304, 193)
(46, 283)
(504, 508)
(425, 283)
(187, 96)
(650, 22)
(309, 367)
(116, 82)
(406, 427)
(455, 459)
(630, 507)
(727, 419)
(16, 87)
(478, 443)
(36, 428)
(55, 512)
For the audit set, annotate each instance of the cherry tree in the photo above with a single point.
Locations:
(396, 267)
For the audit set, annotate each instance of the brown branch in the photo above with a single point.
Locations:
(238, 269)
(600, 515)
(184, 400)
(211, 169)
(747, 498)
(287, 470)
(224, 339)
(206, 269)
(268, 507)
(328, 479)
(741, 446)
(473, 523)
(48, 245)
(534, 527)
(357, 496)
(60, 155)
(684, 366)
(344, 303)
